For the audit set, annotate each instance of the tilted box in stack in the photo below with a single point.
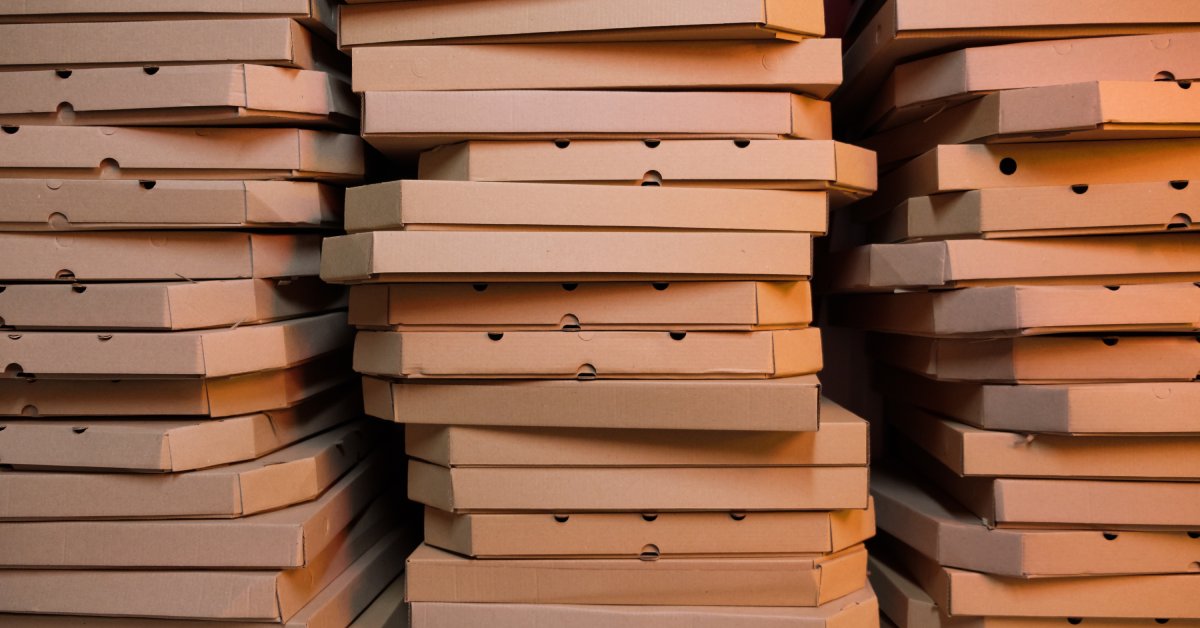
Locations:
(592, 310)
(180, 439)
(1035, 313)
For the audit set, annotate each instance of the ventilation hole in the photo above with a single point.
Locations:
(1179, 184)
(151, 70)
(652, 179)
(29, 410)
(3, 288)
(562, 143)
(1180, 221)
(14, 336)
(1161, 620)
(63, 73)
(569, 287)
(650, 553)
(79, 289)
(1110, 536)
(562, 518)
(1164, 76)
(737, 516)
(649, 516)
(1074, 621)
(1079, 189)
(14, 369)
(569, 322)
(480, 287)
(1008, 166)
(147, 185)
(3, 427)
(678, 335)
(79, 430)
(10, 129)
(104, 337)
(1194, 567)
(1193, 535)
(741, 143)
(652, 143)
(1112, 342)
(64, 275)
(495, 335)
(1113, 288)
(587, 372)
(1184, 84)
(661, 285)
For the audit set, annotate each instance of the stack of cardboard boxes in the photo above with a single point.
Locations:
(592, 310)
(1036, 309)
(180, 439)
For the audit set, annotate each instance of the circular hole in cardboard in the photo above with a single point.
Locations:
(1113, 288)
(1179, 184)
(570, 286)
(587, 372)
(1193, 535)
(677, 335)
(649, 516)
(147, 184)
(79, 289)
(562, 143)
(1079, 189)
(650, 553)
(1110, 342)
(63, 74)
(66, 113)
(11, 130)
(1184, 84)
(1161, 620)
(104, 337)
(495, 335)
(151, 70)
(737, 516)
(661, 285)
(1110, 536)
(479, 287)
(1180, 221)
(652, 178)
(1074, 621)
(652, 143)
(1008, 166)
(562, 518)
(1164, 76)
(741, 143)
(14, 369)
(79, 429)
(65, 275)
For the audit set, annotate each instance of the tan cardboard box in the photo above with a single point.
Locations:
(1026, 310)
(296, 474)
(1045, 359)
(842, 440)
(165, 306)
(784, 404)
(1096, 260)
(437, 576)
(82, 205)
(857, 610)
(168, 445)
(582, 354)
(404, 123)
(1125, 408)
(812, 66)
(73, 45)
(717, 305)
(147, 153)
(388, 610)
(181, 354)
(581, 489)
(156, 255)
(418, 205)
(199, 397)
(847, 170)
(523, 256)
(1043, 211)
(633, 535)
(487, 21)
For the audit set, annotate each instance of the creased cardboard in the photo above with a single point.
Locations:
(391, 256)
(812, 66)
(603, 354)
(483, 21)
(207, 353)
(784, 404)
(437, 576)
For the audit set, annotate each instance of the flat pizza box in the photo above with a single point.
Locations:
(842, 440)
(151, 44)
(1116, 208)
(183, 95)
(1122, 408)
(374, 22)
(633, 535)
(437, 576)
(1093, 260)
(194, 397)
(684, 305)
(121, 204)
(167, 355)
(151, 153)
(287, 538)
(1045, 359)
(420, 205)
(848, 171)
(783, 404)
(292, 475)
(583, 354)
(524, 256)
(405, 123)
(1025, 310)
(600, 489)
(157, 255)
(388, 610)
(164, 306)
(812, 67)
(168, 445)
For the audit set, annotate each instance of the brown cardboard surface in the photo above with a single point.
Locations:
(583, 489)
(404, 123)
(857, 610)
(762, 164)
(1095, 260)
(202, 397)
(902, 602)
(1125, 408)
(484, 21)
(157, 255)
(785, 404)
(292, 475)
(842, 440)
(811, 66)
(437, 576)
(168, 445)
(207, 353)
(633, 535)
(1043, 211)
(72, 45)
(149, 153)
(82, 205)
(718, 305)
(201, 95)
(1026, 310)
(388, 610)
(417, 205)
(393, 256)
(287, 538)
(1045, 359)
(175, 305)
(582, 354)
